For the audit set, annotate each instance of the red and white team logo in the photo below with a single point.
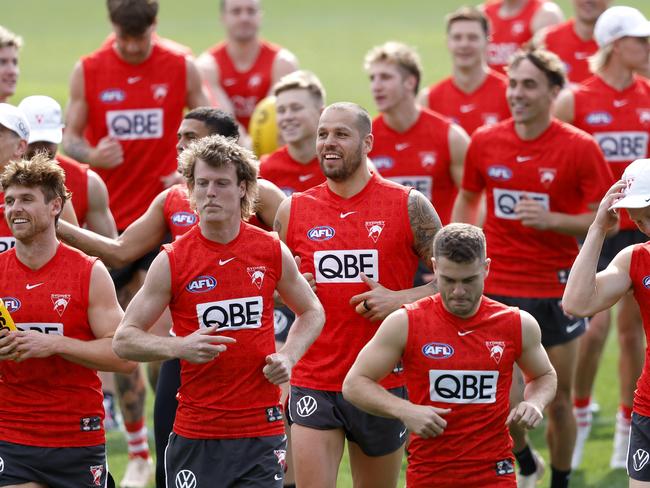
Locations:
(490, 119)
(159, 91)
(96, 472)
(517, 28)
(255, 80)
(496, 349)
(546, 176)
(60, 303)
(644, 115)
(374, 228)
(257, 275)
(281, 454)
(428, 158)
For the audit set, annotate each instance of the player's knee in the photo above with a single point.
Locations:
(561, 408)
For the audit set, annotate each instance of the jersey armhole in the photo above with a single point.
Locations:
(169, 251)
(518, 337)
(85, 286)
(290, 224)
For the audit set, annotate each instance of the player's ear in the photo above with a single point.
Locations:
(487, 266)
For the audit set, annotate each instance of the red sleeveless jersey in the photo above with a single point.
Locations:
(418, 158)
(337, 239)
(640, 276)
(245, 88)
(288, 174)
(618, 120)
(50, 402)
(7, 240)
(465, 365)
(564, 170)
(76, 181)
(230, 286)
(573, 51)
(141, 106)
(509, 34)
(179, 215)
(486, 105)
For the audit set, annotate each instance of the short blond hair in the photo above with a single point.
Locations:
(9, 39)
(404, 57)
(600, 58)
(218, 151)
(302, 80)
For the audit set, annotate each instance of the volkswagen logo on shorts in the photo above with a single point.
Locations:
(646, 282)
(185, 479)
(640, 459)
(2, 465)
(306, 406)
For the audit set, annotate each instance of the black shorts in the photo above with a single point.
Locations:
(638, 454)
(615, 244)
(283, 319)
(55, 467)
(326, 410)
(557, 328)
(122, 276)
(257, 462)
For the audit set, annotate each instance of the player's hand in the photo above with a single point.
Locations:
(8, 345)
(278, 368)
(533, 214)
(607, 219)
(308, 276)
(172, 179)
(107, 154)
(526, 415)
(424, 420)
(377, 303)
(202, 345)
(32, 344)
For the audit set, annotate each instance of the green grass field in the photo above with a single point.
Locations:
(329, 38)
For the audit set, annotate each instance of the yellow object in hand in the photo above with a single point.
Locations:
(6, 322)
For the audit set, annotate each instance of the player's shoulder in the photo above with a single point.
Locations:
(559, 29)
(568, 132)
(441, 86)
(500, 130)
(495, 78)
(274, 158)
(72, 255)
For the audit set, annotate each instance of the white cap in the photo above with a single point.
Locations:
(14, 120)
(620, 21)
(637, 190)
(44, 116)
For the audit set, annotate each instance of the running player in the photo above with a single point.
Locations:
(542, 179)
(614, 106)
(589, 292)
(229, 420)
(126, 103)
(573, 40)
(241, 70)
(474, 95)
(458, 349)
(351, 233)
(10, 44)
(65, 309)
(514, 22)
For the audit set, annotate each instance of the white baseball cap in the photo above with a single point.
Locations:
(620, 21)
(14, 119)
(44, 116)
(637, 191)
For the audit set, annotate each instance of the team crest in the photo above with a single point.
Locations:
(490, 119)
(255, 80)
(428, 158)
(496, 349)
(96, 472)
(644, 115)
(60, 303)
(518, 28)
(281, 454)
(257, 275)
(374, 228)
(159, 91)
(546, 176)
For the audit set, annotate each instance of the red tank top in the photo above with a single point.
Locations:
(618, 120)
(509, 34)
(76, 181)
(179, 215)
(418, 158)
(486, 105)
(231, 286)
(7, 240)
(50, 402)
(640, 276)
(573, 51)
(245, 88)
(564, 170)
(141, 106)
(288, 174)
(469, 373)
(337, 239)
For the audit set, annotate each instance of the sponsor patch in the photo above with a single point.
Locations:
(112, 95)
(423, 184)
(273, 414)
(499, 172)
(646, 283)
(599, 118)
(463, 386)
(437, 350)
(184, 219)
(12, 304)
(640, 459)
(346, 266)
(201, 284)
(129, 125)
(504, 467)
(383, 162)
(505, 201)
(45, 328)
(90, 424)
(620, 147)
(321, 233)
(306, 406)
(236, 314)
(185, 479)
(7, 243)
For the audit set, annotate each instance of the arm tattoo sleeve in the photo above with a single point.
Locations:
(425, 223)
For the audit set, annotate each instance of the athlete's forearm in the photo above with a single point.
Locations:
(304, 331)
(96, 354)
(131, 342)
(573, 225)
(371, 397)
(541, 390)
(77, 148)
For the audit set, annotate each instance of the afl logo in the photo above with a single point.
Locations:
(184, 219)
(499, 173)
(12, 304)
(437, 350)
(321, 233)
(599, 118)
(201, 284)
(646, 283)
(112, 95)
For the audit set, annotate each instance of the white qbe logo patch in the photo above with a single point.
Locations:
(640, 459)
(185, 479)
(306, 406)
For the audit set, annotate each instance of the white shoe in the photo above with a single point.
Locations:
(139, 472)
(531, 480)
(621, 441)
(583, 424)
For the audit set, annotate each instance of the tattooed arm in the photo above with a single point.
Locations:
(379, 301)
